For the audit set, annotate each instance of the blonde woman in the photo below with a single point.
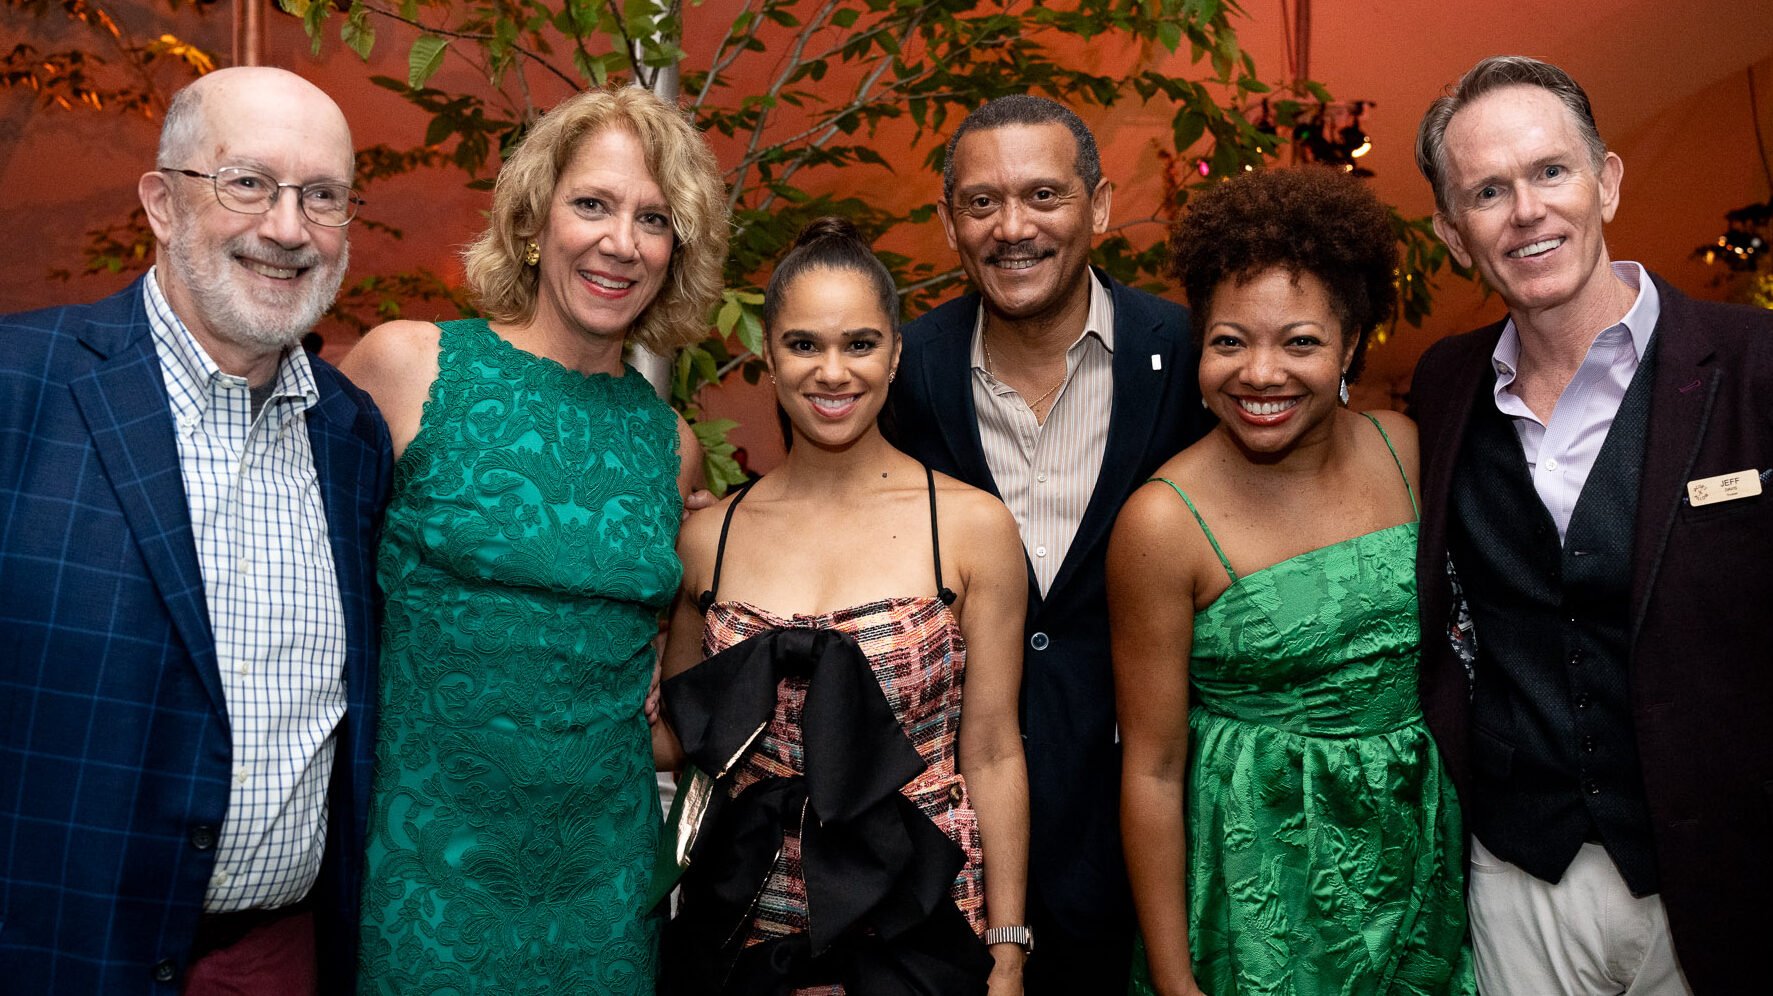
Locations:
(527, 554)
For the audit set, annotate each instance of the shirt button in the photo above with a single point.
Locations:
(1551, 464)
(1576, 657)
(1588, 745)
(240, 774)
(164, 970)
(1041, 477)
(1582, 700)
(219, 879)
(1040, 551)
(1039, 641)
(245, 565)
(1592, 788)
(241, 668)
(202, 838)
(188, 424)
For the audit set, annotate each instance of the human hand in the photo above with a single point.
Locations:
(651, 707)
(697, 500)
(1006, 975)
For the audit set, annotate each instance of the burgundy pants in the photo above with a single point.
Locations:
(255, 953)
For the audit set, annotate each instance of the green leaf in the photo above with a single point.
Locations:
(423, 60)
(751, 330)
(846, 18)
(357, 33)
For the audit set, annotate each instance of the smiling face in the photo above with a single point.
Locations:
(1021, 219)
(1272, 359)
(606, 245)
(254, 283)
(832, 353)
(1526, 205)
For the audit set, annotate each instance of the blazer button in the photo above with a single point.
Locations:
(164, 970)
(202, 838)
(954, 794)
(1039, 641)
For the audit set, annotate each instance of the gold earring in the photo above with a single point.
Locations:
(532, 254)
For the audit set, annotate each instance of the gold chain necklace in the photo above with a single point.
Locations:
(991, 368)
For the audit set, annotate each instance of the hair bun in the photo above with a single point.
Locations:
(829, 227)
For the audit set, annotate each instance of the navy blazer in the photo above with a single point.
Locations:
(1067, 708)
(114, 750)
(1700, 655)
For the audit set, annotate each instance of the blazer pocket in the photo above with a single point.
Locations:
(1731, 509)
(1490, 754)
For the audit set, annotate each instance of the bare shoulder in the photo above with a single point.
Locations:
(1401, 431)
(393, 349)
(974, 510)
(395, 361)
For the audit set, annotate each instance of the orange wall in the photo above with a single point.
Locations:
(1667, 83)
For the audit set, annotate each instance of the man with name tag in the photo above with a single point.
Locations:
(1059, 390)
(1595, 565)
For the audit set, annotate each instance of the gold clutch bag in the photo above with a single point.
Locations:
(695, 790)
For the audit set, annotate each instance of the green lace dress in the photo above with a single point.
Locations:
(528, 552)
(1325, 849)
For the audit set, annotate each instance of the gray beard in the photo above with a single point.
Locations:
(232, 314)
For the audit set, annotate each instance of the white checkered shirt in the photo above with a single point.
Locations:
(274, 608)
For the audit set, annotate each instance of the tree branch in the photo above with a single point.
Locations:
(527, 53)
(763, 117)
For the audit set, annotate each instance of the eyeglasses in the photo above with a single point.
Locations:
(249, 191)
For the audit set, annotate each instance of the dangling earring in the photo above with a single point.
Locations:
(532, 254)
(1203, 404)
(1343, 392)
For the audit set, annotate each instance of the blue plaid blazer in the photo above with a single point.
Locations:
(114, 747)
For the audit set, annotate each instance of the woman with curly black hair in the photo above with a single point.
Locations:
(1262, 592)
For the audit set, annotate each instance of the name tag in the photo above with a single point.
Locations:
(1724, 487)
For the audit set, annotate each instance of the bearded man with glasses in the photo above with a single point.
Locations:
(188, 504)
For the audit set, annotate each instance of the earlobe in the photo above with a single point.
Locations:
(156, 196)
(1449, 234)
(1101, 204)
(1612, 175)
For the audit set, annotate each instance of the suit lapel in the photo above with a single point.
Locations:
(1440, 454)
(123, 399)
(948, 369)
(1685, 386)
(1137, 335)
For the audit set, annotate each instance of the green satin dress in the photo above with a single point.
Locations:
(527, 555)
(1325, 848)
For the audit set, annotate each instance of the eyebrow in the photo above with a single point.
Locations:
(1032, 184)
(1290, 326)
(247, 162)
(855, 333)
(604, 193)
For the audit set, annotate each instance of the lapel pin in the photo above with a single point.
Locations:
(1157, 361)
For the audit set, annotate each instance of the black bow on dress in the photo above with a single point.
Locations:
(881, 917)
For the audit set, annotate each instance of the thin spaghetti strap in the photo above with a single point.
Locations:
(942, 590)
(1203, 524)
(707, 600)
(1400, 464)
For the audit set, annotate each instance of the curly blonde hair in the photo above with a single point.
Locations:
(680, 162)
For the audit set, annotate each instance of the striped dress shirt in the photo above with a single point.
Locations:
(274, 608)
(1046, 472)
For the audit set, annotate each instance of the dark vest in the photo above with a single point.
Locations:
(1554, 752)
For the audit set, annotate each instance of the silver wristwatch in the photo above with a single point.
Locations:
(1018, 935)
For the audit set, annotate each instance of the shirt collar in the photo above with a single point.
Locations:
(1639, 322)
(1098, 322)
(191, 375)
